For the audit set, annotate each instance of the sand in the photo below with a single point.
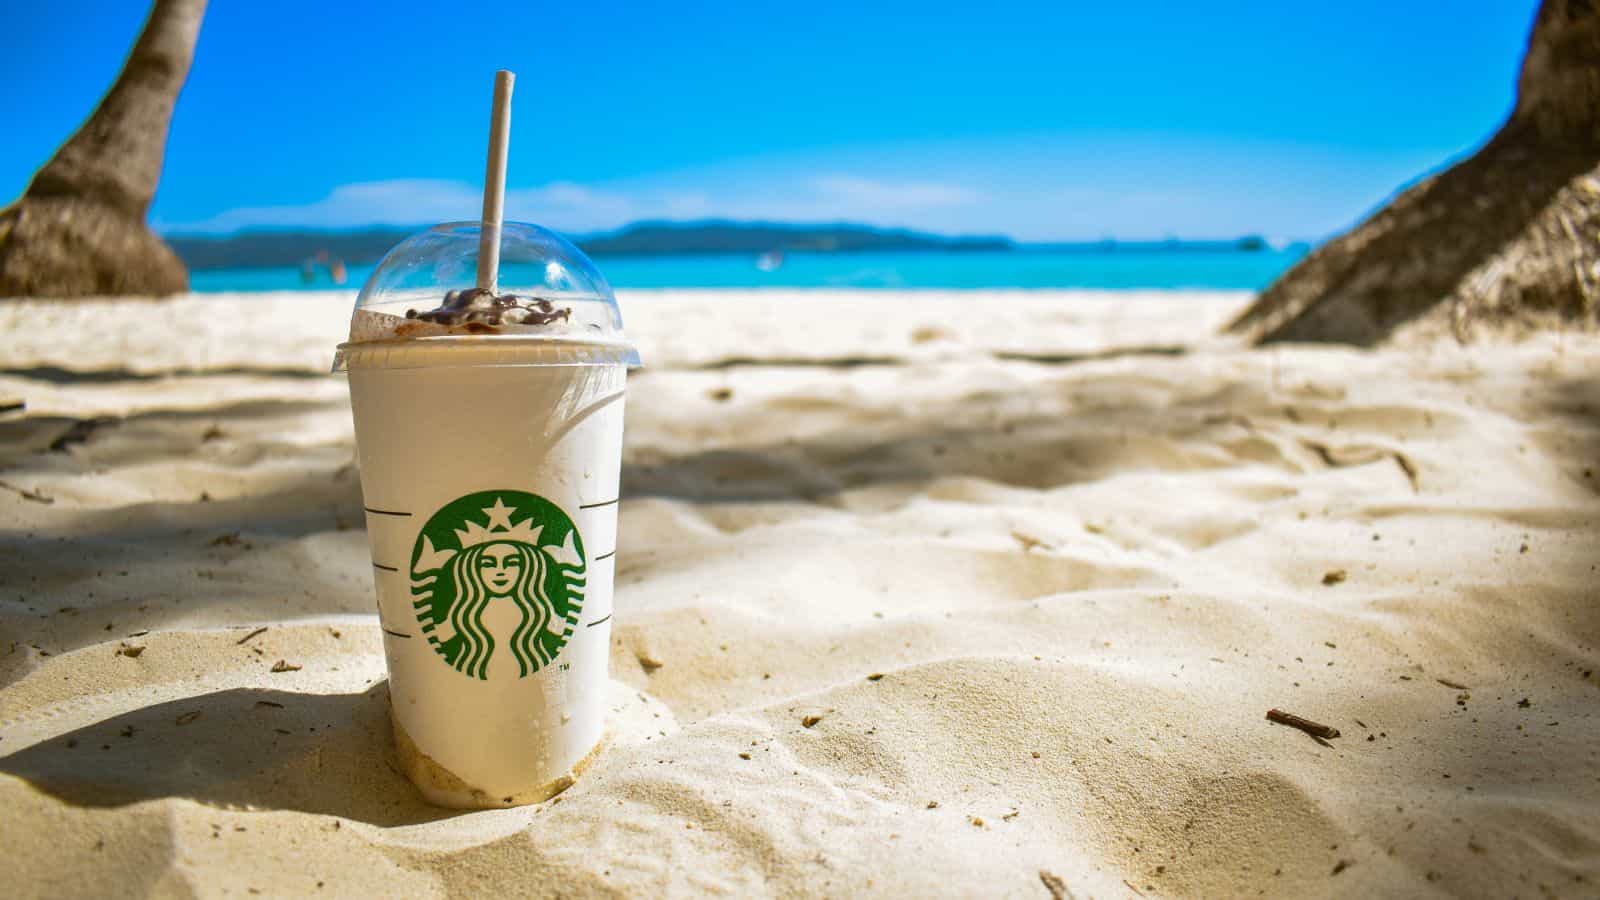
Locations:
(918, 595)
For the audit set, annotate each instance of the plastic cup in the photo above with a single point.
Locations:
(490, 457)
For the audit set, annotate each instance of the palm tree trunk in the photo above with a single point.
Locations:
(79, 228)
(1507, 240)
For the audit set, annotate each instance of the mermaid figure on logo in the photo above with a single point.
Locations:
(500, 565)
(499, 572)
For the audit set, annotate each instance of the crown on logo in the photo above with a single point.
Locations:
(499, 528)
(524, 532)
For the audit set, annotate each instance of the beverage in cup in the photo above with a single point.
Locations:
(487, 367)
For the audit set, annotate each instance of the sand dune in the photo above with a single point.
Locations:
(1032, 566)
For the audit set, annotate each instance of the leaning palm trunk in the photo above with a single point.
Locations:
(1507, 240)
(79, 228)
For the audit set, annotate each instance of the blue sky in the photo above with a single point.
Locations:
(1041, 120)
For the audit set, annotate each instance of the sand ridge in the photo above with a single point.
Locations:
(950, 595)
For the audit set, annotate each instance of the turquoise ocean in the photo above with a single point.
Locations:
(1086, 269)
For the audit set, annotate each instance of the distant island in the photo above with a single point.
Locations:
(278, 248)
(710, 237)
(282, 248)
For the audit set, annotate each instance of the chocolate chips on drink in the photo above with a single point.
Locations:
(471, 306)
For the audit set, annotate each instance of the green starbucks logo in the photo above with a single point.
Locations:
(488, 554)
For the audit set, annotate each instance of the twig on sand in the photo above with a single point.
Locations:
(1455, 685)
(1130, 887)
(246, 638)
(1408, 467)
(1309, 727)
(1053, 883)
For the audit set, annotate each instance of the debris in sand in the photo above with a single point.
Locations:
(270, 703)
(257, 633)
(933, 804)
(721, 394)
(875, 676)
(131, 651)
(1053, 883)
(24, 493)
(79, 431)
(213, 433)
(284, 666)
(1028, 541)
(1524, 703)
(809, 721)
(188, 717)
(1334, 576)
(744, 755)
(1309, 727)
(649, 663)
(1341, 865)
(1454, 685)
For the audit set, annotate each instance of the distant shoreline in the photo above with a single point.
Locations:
(283, 248)
(1212, 266)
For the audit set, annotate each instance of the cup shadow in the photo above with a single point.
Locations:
(326, 754)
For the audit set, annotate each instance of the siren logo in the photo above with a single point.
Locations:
(497, 573)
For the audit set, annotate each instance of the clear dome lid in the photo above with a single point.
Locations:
(548, 292)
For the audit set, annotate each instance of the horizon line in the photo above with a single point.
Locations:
(1275, 241)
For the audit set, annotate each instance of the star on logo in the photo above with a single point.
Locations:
(499, 514)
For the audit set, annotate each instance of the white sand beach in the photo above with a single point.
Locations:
(919, 594)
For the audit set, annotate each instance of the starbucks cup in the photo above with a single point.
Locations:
(489, 438)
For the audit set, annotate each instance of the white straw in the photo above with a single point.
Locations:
(494, 183)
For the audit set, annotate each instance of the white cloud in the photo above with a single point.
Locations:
(403, 200)
(579, 208)
(568, 206)
(854, 191)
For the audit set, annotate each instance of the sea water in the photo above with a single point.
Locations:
(1088, 269)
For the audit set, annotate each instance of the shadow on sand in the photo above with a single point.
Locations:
(325, 754)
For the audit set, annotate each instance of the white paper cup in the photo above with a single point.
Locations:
(490, 476)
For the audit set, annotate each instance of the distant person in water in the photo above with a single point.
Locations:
(326, 261)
